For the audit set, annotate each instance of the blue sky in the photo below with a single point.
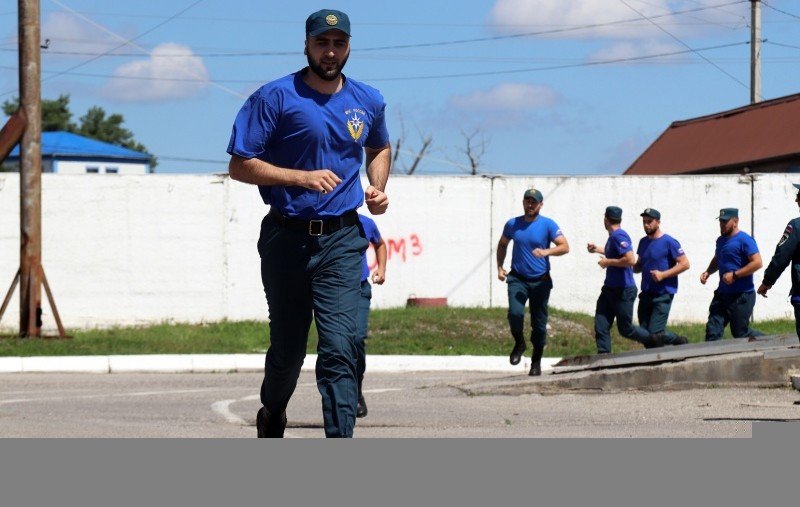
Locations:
(552, 86)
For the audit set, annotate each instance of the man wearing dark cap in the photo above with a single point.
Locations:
(660, 259)
(529, 278)
(619, 289)
(302, 139)
(736, 258)
(787, 252)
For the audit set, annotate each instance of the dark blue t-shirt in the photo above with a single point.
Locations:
(618, 244)
(527, 236)
(288, 124)
(733, 253)
(659, 254)
(373, 236)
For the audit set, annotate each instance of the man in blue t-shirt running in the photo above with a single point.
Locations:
(736, 257)
(529, 278)
(660, 259)
(373, 235)
(302, 139)
(619, 289)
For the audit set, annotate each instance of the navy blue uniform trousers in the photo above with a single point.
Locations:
(653, 313)
(736, 309)
(616, 303)
(537, 292)
(363, 326)
(317, 276)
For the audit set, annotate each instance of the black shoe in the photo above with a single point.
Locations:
(536, 369)
(516, 354)
(655, 340)
(361, 408)
(680, 340)
(270, 426)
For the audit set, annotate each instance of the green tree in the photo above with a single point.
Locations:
(94, 124)
(55, 113)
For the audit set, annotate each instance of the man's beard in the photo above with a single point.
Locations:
(321, 73)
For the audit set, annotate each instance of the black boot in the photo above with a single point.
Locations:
(268, 425)
(654, 340)
(361, 408)
(536, 361)
(519, 348)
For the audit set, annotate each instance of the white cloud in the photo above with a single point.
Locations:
(516, 16)
(508, 97)
(171, 72)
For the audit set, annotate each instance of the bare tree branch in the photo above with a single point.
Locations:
(475, 149)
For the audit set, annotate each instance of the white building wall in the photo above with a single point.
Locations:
(142, 249)
(103, 167)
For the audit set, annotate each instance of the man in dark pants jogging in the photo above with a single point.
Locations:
(302, 139)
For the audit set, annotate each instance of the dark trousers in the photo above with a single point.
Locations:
(317, 276)
(616, 303)
(363, 326)
(797, 319)
(537, 292)
(736, 309)
(653, 313)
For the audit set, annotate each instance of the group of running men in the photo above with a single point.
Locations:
(659, 258)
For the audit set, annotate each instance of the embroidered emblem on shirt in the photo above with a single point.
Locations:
(623, 244)
(786, 234)
(331, 19)
(355, 125)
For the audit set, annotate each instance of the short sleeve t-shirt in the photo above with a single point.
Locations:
(528, 236)
(733, 253)
(373, 236)
(290, 125)
(618, 244)
(659, 254)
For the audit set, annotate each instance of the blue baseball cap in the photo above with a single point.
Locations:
(728, 213)
(327, 19)
(614, 212)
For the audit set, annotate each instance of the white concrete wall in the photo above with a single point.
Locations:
(139, 249)
(80, 166)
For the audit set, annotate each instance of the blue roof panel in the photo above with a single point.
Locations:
(59, 144)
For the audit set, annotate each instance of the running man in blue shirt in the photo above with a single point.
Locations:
(660, 260)
(302, 140)
(736, 258)
(373, 235)
(529, 278)
(619, 289)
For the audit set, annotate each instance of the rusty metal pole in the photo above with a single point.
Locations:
(30, 85)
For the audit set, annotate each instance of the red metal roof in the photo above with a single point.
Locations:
(765, 131)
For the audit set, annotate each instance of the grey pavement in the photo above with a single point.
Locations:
(401, 404)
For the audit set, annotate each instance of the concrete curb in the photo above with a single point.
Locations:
(210, 363)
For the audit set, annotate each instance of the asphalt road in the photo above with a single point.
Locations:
(428, 405)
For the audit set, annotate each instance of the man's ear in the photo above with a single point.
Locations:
(305, 48)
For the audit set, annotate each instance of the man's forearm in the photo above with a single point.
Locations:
(378, 163)
(258, 172)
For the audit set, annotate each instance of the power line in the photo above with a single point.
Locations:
(684, 44)
(781, 45)
(559, 67)
(778, 10)
(125, 43)
(441, 76)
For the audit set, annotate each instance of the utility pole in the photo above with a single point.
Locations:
(30, 285)
(30, 275)
(755, 51)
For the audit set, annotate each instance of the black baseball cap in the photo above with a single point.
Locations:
(327, 19)
(614, 212)
(652, 213)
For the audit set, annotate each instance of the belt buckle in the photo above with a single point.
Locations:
(311, 227)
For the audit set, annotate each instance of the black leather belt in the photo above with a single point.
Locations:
(545, 276)
(314, 227)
